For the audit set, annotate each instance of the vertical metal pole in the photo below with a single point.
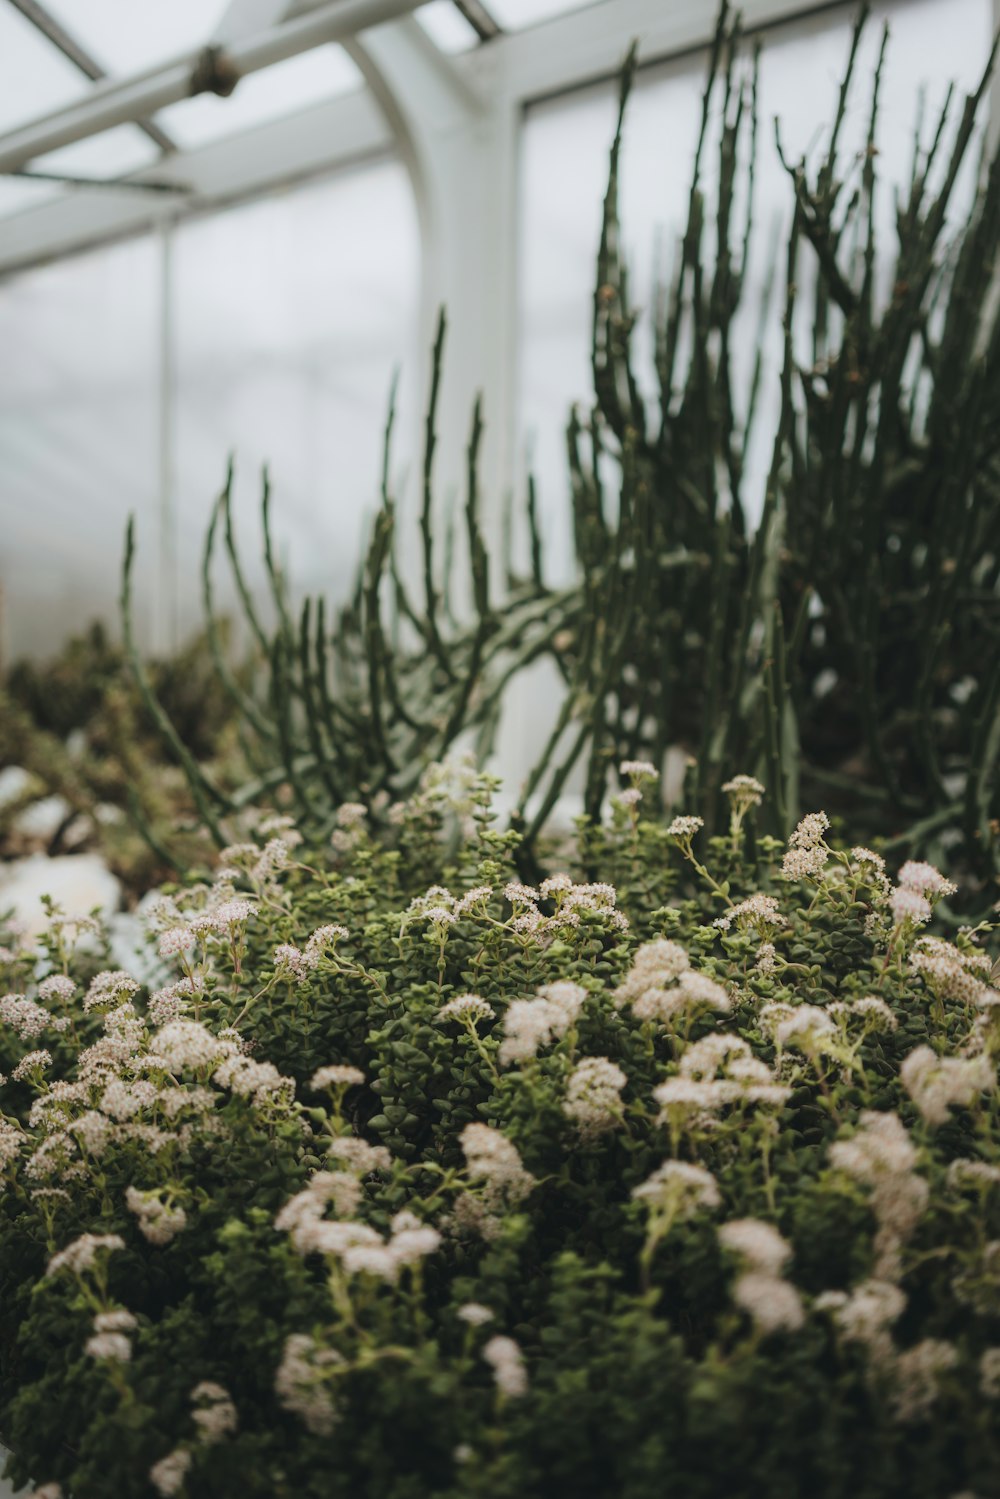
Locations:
(165, 623)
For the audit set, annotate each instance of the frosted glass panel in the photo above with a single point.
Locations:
(289, 317)
(125, 36)
(515, 14)
(78, 440)
(112, 153)
(564, 169)
(34, 77)
(292, 314)
(446, 26)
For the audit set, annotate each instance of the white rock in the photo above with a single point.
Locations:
(76, 882)
(15, 782)
(42, 820)
(79, 832)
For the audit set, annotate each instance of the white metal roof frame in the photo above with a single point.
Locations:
(571, 50)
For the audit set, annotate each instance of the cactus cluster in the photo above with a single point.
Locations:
(844, 648)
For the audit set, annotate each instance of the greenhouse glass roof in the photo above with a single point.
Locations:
(56, 55)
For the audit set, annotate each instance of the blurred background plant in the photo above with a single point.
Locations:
(80, 755)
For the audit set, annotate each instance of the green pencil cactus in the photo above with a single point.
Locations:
(844, 649)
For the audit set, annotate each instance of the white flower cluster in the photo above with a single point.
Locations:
(81, 1255)
(188, 1046)
(338, 1075)
(57, 988)
(159, 1221)
(684, 828)
(168, 1475)
(301, 1382)
(764, 962)
(951, 974)
(743, 792)
(758, 913)
(874, 1014)
(214, 1413)
(261, 1082)
(638, 770)
(260, 865)
(467, 1008)
(807, 853)
(871, 869)
(530, 1024)
(571, 903)
(351, 818)
(492, 1158)
(442, 909)
(865, 1316)
(474, 1314)
(773, 1304)
(661, 985)
(31, 1062)
(109, 1341)
(111, 987)
(358, 1156)
(298, 963)
(11, 1140)
(507, 1362)
(678, 1190)
(912, 1377)
(593, 1096)
(920, 887)
(27, 1018)
(969, 1173)
(937, 1084)
(359, 1249)
(805, 1027)
(916, 1377)
(718, 1071)
(172, 1001)
(882, 1156)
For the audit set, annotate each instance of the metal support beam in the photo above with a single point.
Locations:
(479, 18)
(212, 70)
(339, 133)
(81, 58)
(73, 179)
(458, 140)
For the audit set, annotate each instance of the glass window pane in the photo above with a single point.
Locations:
(126, 37)
(446, 26)
(17, 194)
(78, 441)
(513, 15)
(112, 153)
(34, 76)
(292, 314)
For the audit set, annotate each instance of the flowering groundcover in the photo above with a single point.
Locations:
(676, 1173)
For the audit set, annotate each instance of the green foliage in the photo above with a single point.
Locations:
(651, 1353)
(845, 649)
(77, 723)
